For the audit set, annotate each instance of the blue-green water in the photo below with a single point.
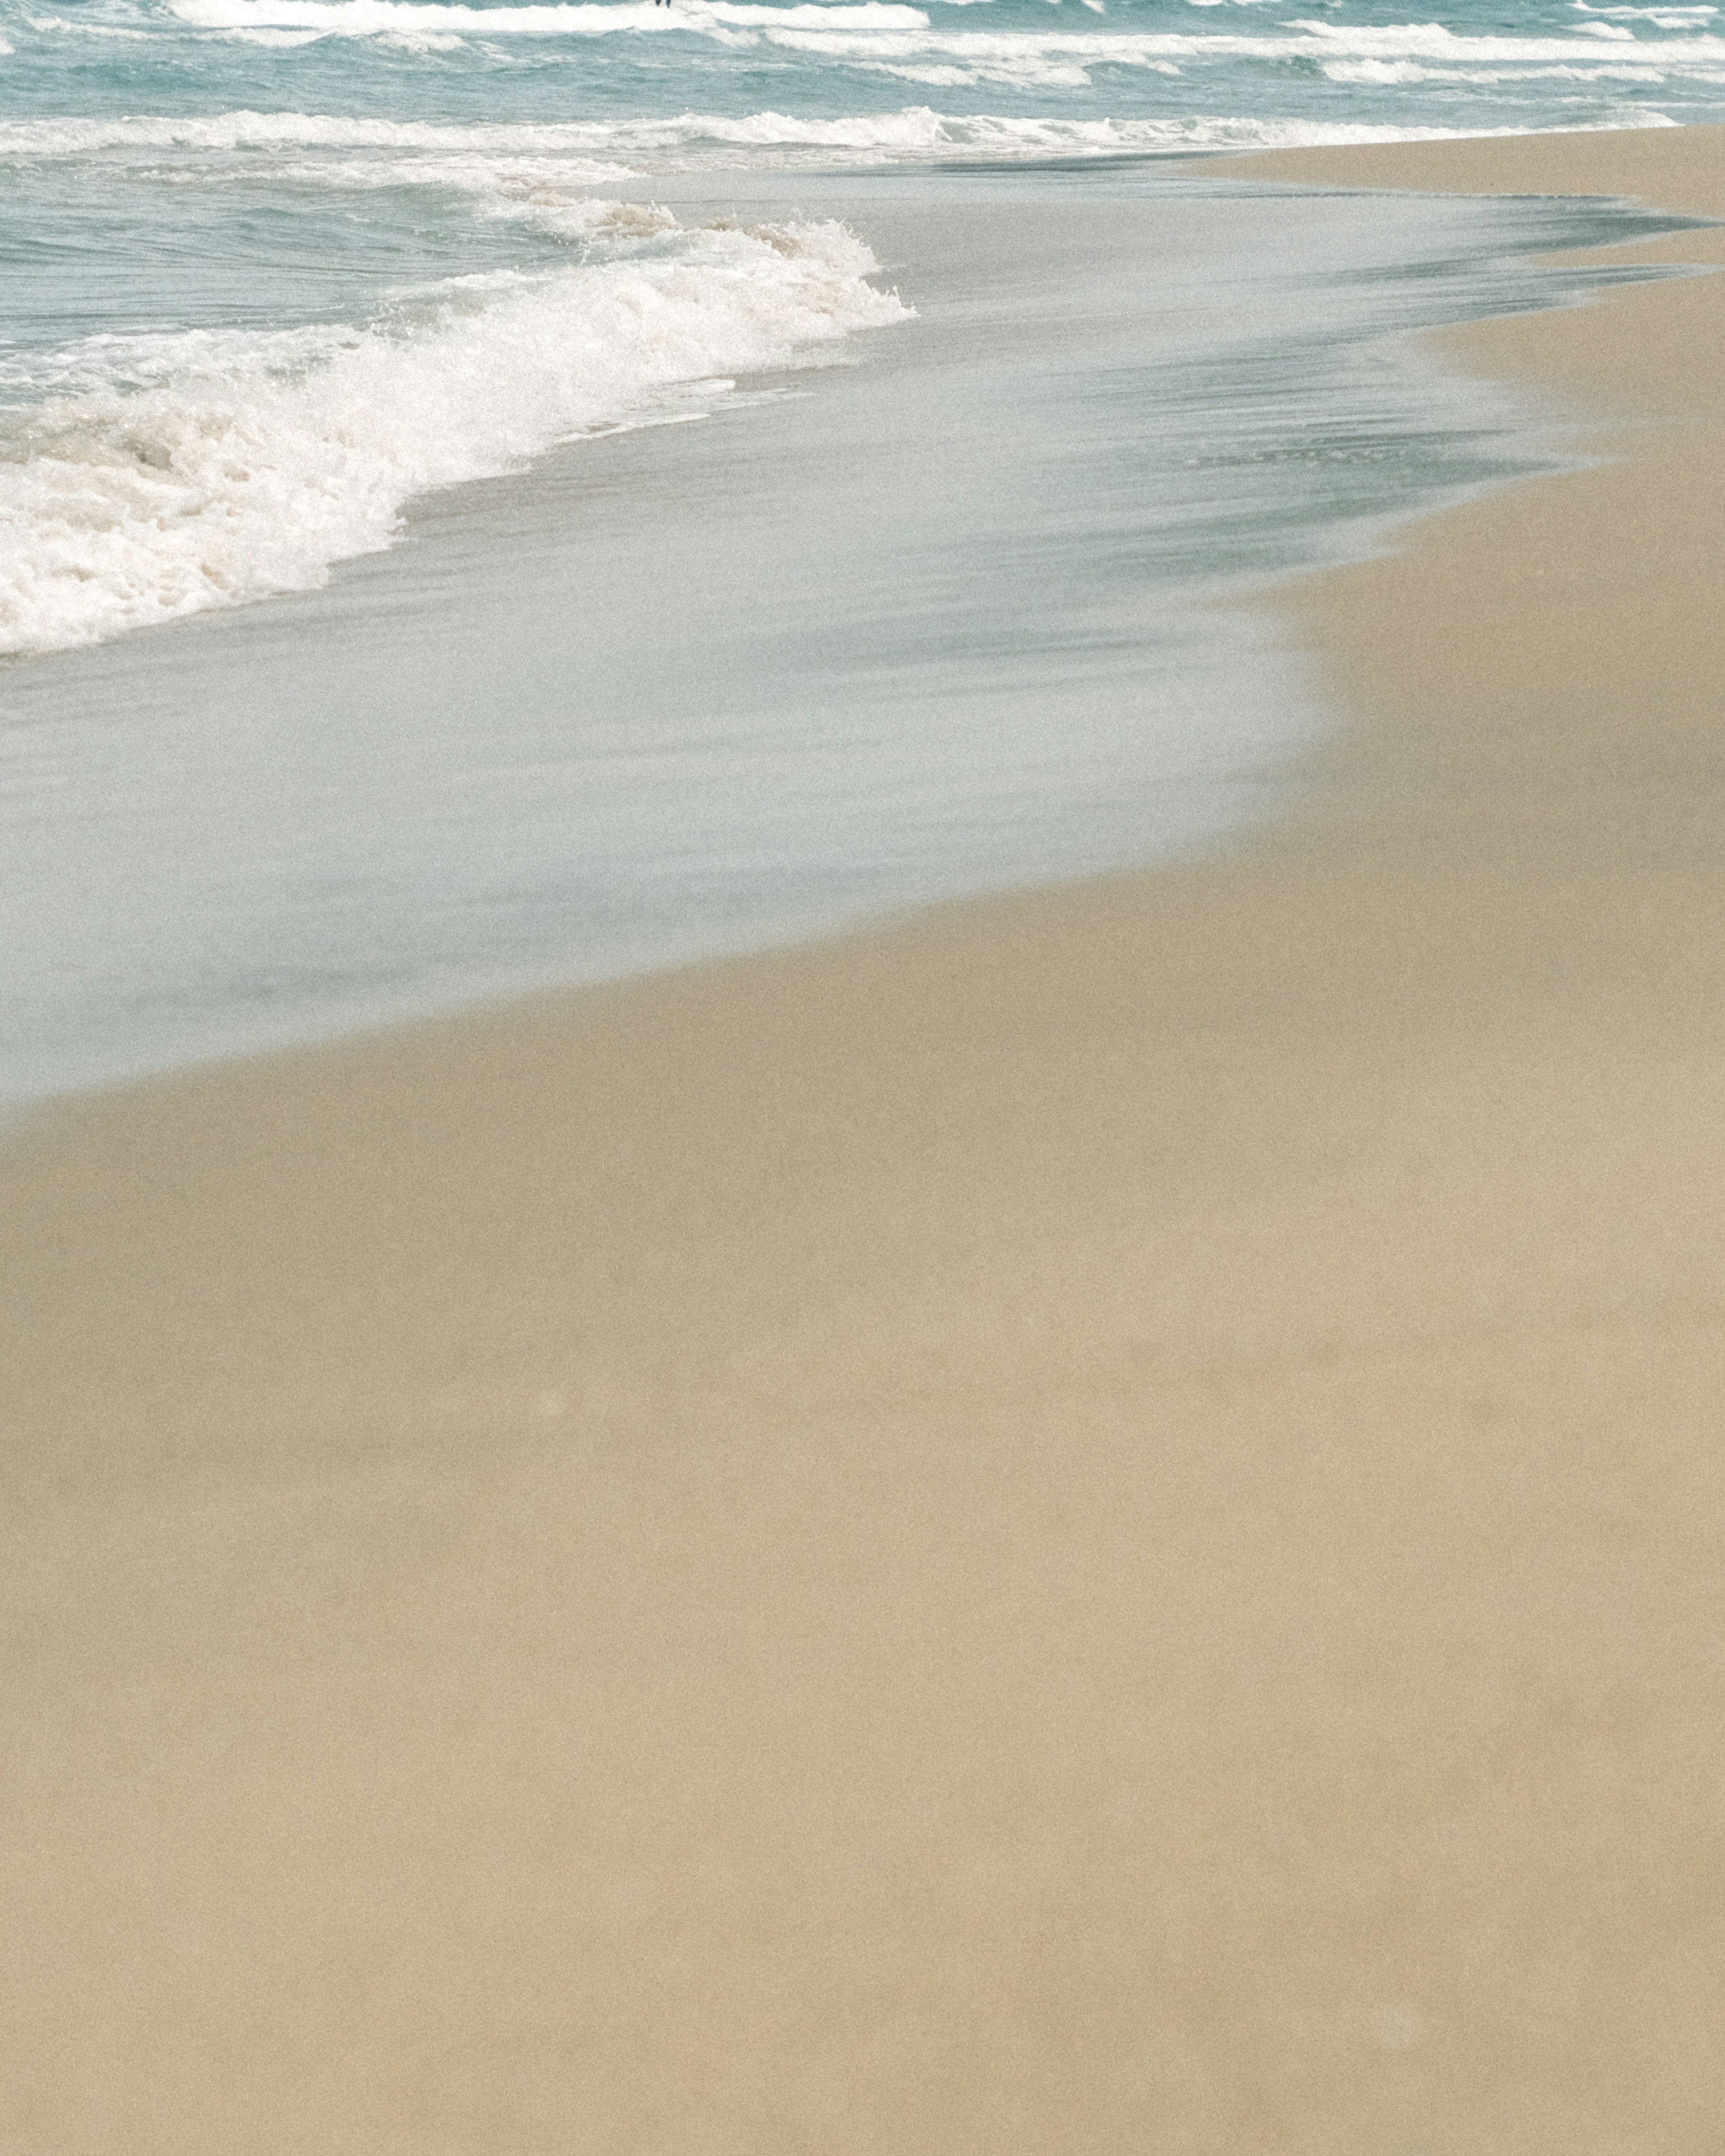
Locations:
(373, 639)
(640, 77)
(259, 254)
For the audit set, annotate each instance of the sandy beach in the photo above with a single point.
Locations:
(1090, 1524)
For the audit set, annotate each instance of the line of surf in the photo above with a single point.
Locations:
(913, 132)
(841, 27)
(209, 469)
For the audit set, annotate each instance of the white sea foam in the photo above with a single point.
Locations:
(180, 472)
(579, 151)
(281, 130)
(1662, 18)
(1408, 71)
(879, 36)
(365, 18)
(1063, 60)
(86, 29)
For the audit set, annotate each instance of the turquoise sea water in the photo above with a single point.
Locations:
(373, 632)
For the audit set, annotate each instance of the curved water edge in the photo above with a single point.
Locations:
(939, 622)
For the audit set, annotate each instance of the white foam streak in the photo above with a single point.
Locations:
(364, 19)
(212, 469)
(1063, 60)
(1407, 71)
(284, 130)
(86, 29)
(484, 157)
(881, 36)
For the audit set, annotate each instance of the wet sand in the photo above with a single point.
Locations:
(1092, 1524)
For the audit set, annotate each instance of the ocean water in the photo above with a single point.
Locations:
(379, 629)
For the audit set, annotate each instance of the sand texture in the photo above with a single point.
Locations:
(1096, 1525)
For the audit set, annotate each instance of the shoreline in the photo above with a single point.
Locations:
(1642, 406)
(1092, 1522)
(565, 733)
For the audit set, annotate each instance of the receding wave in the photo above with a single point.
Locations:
(181, 472)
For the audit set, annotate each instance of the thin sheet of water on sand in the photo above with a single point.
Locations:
(876, 633)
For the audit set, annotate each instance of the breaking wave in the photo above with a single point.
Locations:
(596, 150)
(171, 474)
(882, 36)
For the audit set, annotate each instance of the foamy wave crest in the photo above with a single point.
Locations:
(576, 152)
(284, 131)
(883, 37)
(366, 18)
(953, 59)
(203, 469)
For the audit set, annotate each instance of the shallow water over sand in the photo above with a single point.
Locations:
(940, 618)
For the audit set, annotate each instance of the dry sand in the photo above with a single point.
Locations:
(1092, 1525)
